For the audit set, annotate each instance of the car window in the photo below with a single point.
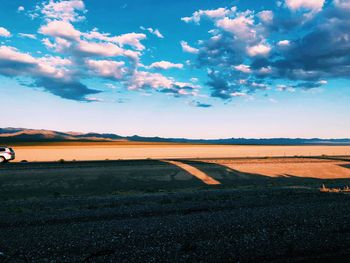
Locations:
(2, 149)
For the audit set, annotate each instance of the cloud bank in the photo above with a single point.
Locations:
(74, 56)
(300, 45)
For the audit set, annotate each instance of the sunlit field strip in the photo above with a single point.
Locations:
(195, 172)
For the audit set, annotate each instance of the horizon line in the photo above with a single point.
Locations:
(183, 138)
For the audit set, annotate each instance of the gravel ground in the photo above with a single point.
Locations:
(260, 225)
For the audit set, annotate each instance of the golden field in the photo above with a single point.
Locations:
(128, 151)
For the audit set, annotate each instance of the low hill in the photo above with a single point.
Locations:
(16, 135)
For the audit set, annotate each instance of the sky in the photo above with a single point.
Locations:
(185, 68)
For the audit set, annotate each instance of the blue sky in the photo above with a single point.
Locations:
(196, 69)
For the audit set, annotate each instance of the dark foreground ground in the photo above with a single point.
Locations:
(149, 211)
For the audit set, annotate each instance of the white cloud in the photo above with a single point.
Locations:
(20, 9)
(155, 31)
(69, 39)
(242, 26)
(12, 54)
(63, 10)
(53, 67)
(259, 50)
(283, 43)
(165, 65)
(185, 85)
(48, 44)
(55, 61)
(143, 79)
(99, 49)
(131, 39)
(187, 19)
(94, 34)
(60, 44)
(243, 68)
(213, 14)
(187, 48)
(60, 29)
(4, 32)
(107, 68)
(31, 36)
(314, 5)
(266, 16)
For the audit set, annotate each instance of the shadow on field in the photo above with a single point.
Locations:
(102, 178)
(345, 166)
(27, 180)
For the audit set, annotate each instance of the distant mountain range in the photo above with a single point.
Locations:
(16, 135)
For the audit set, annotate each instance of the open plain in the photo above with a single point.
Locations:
(88, 151)
(183, 210)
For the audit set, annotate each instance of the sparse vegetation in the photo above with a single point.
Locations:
(325, 189)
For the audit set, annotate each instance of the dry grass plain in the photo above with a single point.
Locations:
(183, 210)
(129, 151)
(234, 210)
(289, 167)
(94, 178)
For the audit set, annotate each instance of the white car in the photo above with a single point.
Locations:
(6, 154)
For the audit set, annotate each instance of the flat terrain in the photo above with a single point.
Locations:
(126, 151)
(262, 210)
(42, 180)
(288, 168)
